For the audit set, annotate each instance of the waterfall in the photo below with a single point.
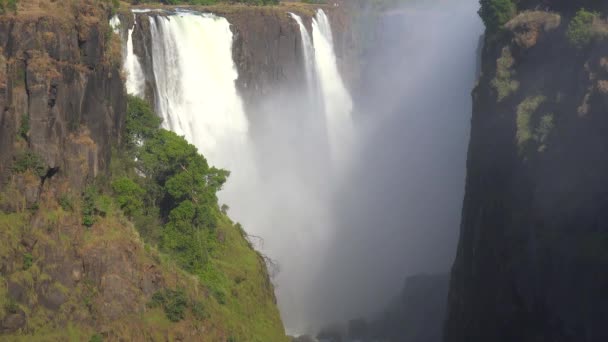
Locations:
(135, 73)
(337, 101)
(194, 74)
(308, 53)
(115, 24)
(195, 85)
(135, 82)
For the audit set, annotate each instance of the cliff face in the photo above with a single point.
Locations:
(60, 90)
(63, 111)
(533, 248)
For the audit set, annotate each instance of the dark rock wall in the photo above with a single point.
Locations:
(533, 251)
(61, 74)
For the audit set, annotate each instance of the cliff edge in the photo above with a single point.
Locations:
(533, 247)
(73, 264)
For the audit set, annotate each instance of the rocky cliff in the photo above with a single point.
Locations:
(63, 278)
(60, 90)
(533, 251)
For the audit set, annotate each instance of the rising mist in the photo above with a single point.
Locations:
(397, 211)
(348, 192)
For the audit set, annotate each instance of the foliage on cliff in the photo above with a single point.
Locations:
(75, 257)
(532, 255)
(96, 244)
(496, 13)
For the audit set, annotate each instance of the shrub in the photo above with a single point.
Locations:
(128, 194)
(24, 128)
(174, 303)
(103, 205)
(88, 205)
(66, 203)
(141, 122)
(29, 160)
(525, 111)
(8, 5)
(496, 13)
(11, 306)
(28, 261)
(503, 83)
(580, 31)
(198, 310)
(96, 338)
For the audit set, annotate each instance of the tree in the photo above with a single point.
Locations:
(496, 13)
(128, 195)
(580, 31)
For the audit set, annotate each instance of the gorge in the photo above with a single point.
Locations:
(341, 170)
(295, 151)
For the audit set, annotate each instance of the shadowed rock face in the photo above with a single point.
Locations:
(532, 258)
(58, 74)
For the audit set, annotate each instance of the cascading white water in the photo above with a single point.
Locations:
(195, 93)
(308, 54)
(338, 102)
(115, 24)
(135, 73)
(195, 85)
(135, 82)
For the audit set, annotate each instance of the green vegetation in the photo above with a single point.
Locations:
(129, 195)
(8, 5)
(88, 206)
(168, 190)
(496, 13)
(11, 306)
(533, 130)
(544, 129)
(28, 261)
(24, 128)
(580, 30)
(31, 161)
(177, 185)
(96, 338)
(503, 83)
(66, 202)
(173, 302)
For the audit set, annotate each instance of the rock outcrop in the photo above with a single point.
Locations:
(60, 90)
(532, 257)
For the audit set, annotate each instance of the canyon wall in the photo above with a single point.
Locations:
(533, 247)
(64, 105)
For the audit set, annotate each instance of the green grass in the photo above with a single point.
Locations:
(236, 269)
